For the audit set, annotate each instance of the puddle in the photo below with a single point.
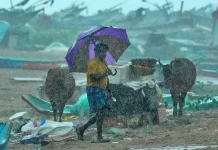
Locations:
(177, 148)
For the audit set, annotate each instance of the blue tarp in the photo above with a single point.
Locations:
(195, 105)
(81, 106)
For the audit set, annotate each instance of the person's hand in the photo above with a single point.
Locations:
(110, 95)
(109, 72)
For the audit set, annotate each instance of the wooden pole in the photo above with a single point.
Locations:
(12, 6)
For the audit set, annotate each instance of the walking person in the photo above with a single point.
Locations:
(97, 91)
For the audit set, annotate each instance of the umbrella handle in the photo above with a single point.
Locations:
(91, 39)
(114, 73)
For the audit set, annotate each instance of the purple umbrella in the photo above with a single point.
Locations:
(116, 39)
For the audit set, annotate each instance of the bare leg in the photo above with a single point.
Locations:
(181, 103)
(80, 130)
(100, 118)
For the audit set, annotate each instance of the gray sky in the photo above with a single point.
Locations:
(94, 5)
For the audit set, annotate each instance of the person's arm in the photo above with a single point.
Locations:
(92, 72)
(108, 86)
(98, 76)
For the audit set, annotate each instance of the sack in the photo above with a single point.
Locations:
(159, 92)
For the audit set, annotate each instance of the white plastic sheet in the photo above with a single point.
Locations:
(49, 128)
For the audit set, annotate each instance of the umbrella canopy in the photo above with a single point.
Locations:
(116, 39)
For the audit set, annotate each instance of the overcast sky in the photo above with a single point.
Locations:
(128, 5)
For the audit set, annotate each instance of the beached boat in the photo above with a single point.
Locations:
(42, 106)
(3, 29)
(208, 73)
(5, 130)
(27, 63)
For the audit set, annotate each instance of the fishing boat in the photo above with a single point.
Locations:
(28, 63)
(3, 29)
(5, 130)
(42, 106)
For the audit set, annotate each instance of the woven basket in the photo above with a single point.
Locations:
(146, 62)
(142, 71)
